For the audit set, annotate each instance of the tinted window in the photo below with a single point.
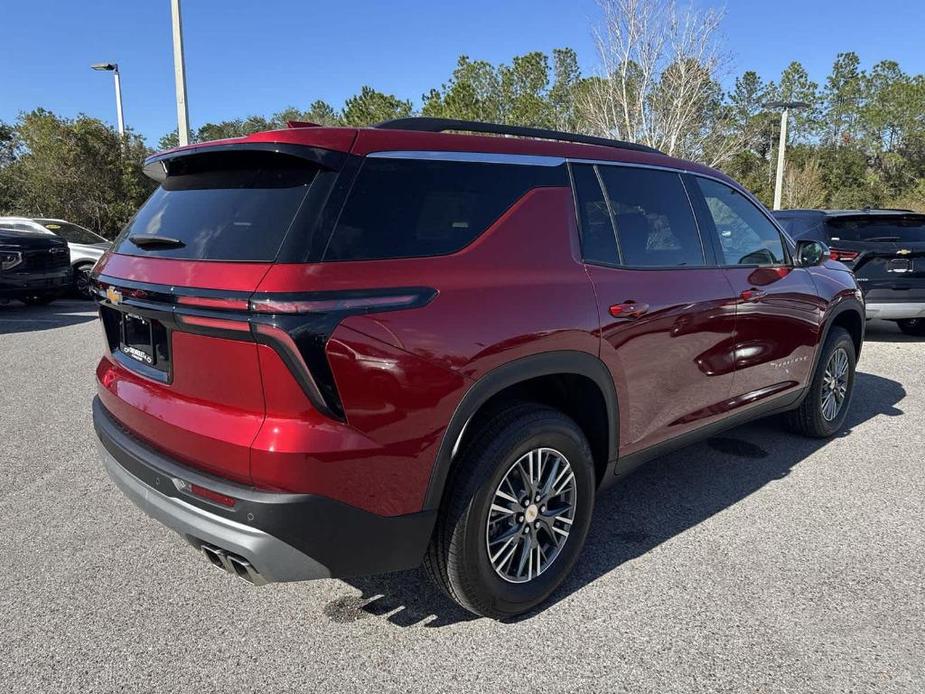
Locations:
(598, 244)
(404, 208)
(654, 220)
(896, 229)
(223, 206)
(23, 226)
(72, 232)
(745, 234)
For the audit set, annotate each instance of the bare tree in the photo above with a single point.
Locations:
(804, 186)
(658, 82)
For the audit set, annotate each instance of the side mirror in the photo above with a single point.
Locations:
(811, 253)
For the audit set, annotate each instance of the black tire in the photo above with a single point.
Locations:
(458, 559)
(82, 281)
(912, 326)
(808, 419)
(37, 299)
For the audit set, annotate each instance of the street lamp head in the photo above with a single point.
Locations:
(105, 66)
(787, 104)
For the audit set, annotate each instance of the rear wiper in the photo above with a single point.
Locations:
(882, 238)
(151, 241)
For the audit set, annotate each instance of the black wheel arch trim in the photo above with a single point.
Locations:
(510, 374)
(843, 306)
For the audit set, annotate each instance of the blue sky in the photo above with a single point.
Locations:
(260, 56)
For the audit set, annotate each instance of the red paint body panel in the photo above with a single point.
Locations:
(381, 459)
(777, 332)
(673, 364)
(210, 413)
(209, 274)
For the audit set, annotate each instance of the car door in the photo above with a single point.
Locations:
(667, 312)
(778, 311)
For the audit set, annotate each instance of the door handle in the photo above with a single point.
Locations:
(752, 294)
(629, 309)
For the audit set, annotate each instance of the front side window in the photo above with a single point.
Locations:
(746, 236)
(410, 208)
(653, 217)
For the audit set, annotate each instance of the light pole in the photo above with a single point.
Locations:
(179, 69)
(114, 68)
(785, 107)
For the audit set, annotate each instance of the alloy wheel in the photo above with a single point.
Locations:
(531, 515)
(835, 384)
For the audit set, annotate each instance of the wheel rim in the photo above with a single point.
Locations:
(82, 282)
(531, 515)
(835, 384)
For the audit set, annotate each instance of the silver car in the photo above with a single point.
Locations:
(86, 246)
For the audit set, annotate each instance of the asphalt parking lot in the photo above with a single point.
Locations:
(757, 561)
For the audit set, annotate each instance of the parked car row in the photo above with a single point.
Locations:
(29, 281)
(34, 268)
(884, 248)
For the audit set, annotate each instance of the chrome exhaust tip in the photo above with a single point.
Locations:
(233, 564)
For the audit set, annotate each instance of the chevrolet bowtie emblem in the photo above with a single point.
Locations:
(903, 251)
(114, 295)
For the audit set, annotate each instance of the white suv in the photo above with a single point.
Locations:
(86, 246)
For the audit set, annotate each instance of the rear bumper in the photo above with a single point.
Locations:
(283, 537)
(896, 310)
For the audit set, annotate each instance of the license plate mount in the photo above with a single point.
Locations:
(137, 339)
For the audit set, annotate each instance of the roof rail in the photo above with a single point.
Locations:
(439, 125)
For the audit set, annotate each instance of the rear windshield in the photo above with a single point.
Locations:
(903, 229)
(405, 208)
(222, 206)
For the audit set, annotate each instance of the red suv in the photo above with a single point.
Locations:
(334, 351)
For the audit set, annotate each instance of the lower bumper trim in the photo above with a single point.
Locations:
(896, 310)
(281, 536)
(272, 558)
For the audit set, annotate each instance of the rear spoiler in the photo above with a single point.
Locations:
(157, 166)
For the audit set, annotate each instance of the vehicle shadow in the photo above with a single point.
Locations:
(660, 500)
(19, 318)
(887, 331)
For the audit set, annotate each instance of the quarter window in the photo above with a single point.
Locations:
(598, 243)
(405, 208)
(745, 234)
(653, 217)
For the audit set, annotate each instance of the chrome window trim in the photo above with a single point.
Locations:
(474, 157)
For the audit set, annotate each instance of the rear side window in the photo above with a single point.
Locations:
(407, 208)
(745, 234)
(907, 229)
(653, 216)
(222, 206)
(598, 243)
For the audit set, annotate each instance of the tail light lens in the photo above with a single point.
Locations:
(346, 304)
(843, 256)
(204, 493)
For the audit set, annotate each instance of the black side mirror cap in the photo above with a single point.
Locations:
(811, 253)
